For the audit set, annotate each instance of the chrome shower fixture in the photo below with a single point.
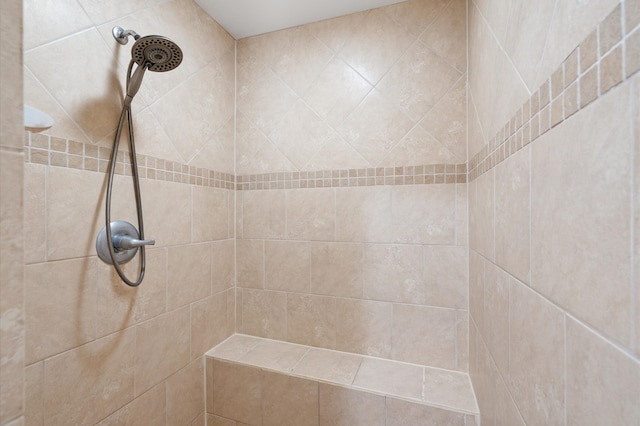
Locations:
(157, 53)
(122, 36)
(119, 241)
(152, 52)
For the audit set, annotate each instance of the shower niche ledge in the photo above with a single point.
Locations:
(257, 381)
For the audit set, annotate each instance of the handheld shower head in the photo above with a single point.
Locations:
(155, 53)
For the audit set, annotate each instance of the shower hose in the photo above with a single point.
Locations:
(125, 114)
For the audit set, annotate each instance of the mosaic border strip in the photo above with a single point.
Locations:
(54, 151)
(408, 175)
(60, 152)
(591, 70)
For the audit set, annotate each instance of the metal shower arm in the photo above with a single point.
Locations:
(122, 36)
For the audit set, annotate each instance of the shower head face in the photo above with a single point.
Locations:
(157, 53)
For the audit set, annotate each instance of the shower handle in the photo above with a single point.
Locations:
(127, 242)
(124, 240)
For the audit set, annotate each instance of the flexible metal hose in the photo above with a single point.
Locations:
(125, 114)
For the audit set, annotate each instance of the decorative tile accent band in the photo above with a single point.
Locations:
(53, 151)
(410, 175)
(602, 61)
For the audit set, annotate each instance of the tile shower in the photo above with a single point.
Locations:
(362, 189)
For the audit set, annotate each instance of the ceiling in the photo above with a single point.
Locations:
(245, 18)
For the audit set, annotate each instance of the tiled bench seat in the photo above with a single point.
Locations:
(255, 381)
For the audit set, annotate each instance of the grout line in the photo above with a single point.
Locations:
(235, 194)
(502, 49)
(564, 367)
(635, 307)
(610, 340)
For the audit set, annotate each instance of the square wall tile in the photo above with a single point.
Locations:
(340, 406)
(337, 269)
(263, 214)
(189, 274)
(424, 214)
(162, 348)
(365, 327)
(394, 273)
(210, 214)
(236, 392)
(311, 214)
(311, 320)
(119, 305)
(185, 394)
(60, 307)
(72, 223)
(300, 123)
(425, 84)
(371, 51)
(264, 314)
(159, 212)
(150, 408)
(288, 401)
(363, 214)
(424, 335)
(603, 383)
(536, 356)
(446, 276)
(287, 266)
(571, 169)
(74, 382)
(447, 36)
(336, 92)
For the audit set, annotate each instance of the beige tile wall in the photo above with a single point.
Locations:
(374, 266)
(85, 99)
(12, 332)
(552, 293)
(75, 304)
(333, 98)
(98, 351)
(351, 209)
(337, 267)
(381, 88)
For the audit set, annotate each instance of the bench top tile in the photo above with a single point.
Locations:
(421, 384)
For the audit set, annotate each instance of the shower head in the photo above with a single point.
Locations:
(153, 52)
(156, 53)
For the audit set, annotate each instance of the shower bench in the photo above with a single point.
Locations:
(255, 381)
